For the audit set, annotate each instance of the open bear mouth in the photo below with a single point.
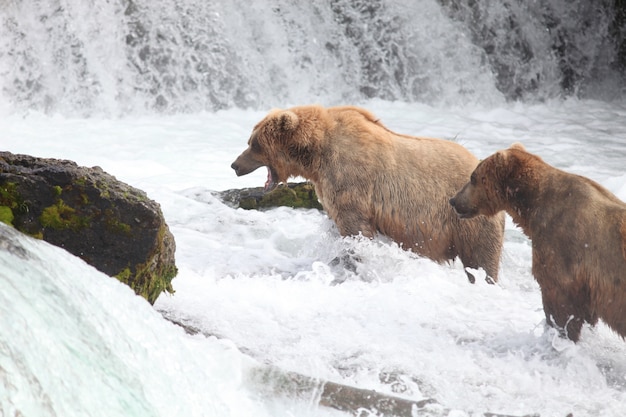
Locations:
(272, 180)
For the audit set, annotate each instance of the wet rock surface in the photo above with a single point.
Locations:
(295, 195)
(110, 225)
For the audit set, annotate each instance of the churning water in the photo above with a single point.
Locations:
(163, 95)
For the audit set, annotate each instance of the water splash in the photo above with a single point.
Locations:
(68, 346)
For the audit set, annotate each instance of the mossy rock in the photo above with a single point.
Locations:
(295, 195)
(6, 215)
(112, 226)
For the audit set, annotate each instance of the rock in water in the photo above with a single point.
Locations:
(295, 195)
(110, 225)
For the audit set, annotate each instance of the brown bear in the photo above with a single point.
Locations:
(577, 229)
(371, 180)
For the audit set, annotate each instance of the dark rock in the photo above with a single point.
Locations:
(274, 381)
(618, 32)
(110, 225)
(296, 195)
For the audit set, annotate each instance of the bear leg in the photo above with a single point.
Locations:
(351, 222)
(562, 313)
(470, 277)
(479, 245)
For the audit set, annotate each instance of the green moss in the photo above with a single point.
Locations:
(81, 182)
(124, 276)
(11, 198)
(57, 190)
(135, 196)
(123, 228)
(156, 281)
(61, 216)
(6, 215)
(114, 225)
(298, 196)
(306, 195)
(146, 280)
(281, 196)
(104, 190)
(149, 284)
(52, 216)
(7, 194)
(249, 203)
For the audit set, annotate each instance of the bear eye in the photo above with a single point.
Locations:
(254, 145)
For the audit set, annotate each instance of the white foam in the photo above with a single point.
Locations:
(262, 280)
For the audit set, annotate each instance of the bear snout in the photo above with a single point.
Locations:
(455, 204)
(242, 169)
(245, 164)
(463, 210)
(237, 168)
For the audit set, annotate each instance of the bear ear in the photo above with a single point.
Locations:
(518, 146)
(285, 121)
(497, 159)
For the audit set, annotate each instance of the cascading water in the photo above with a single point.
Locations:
(547, 48)
(131, 56)
(76, 343)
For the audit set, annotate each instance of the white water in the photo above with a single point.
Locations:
(260, 281)
(163, 94)
(123, 57)
(76, 342)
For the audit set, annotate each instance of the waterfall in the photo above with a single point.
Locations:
(547, 48)
(120, 57)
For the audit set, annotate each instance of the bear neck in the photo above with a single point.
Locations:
(519, 207)
(305, 162)
(532, 190)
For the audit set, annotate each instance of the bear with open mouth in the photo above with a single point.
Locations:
(371, 180)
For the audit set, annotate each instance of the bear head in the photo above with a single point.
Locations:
(284, 142)
(493, 184)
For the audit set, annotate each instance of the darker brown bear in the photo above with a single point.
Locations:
(578, 233)
(371, 180)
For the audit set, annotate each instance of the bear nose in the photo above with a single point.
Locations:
(453, 202)
(234, 166)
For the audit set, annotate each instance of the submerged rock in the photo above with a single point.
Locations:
(295, 195)
(110, 225)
